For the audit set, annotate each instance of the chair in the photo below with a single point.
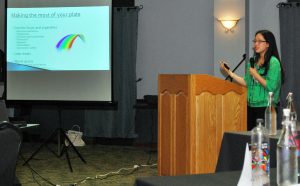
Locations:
(10, 143)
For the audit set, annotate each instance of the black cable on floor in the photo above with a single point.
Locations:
(33, 171)
(33, 177)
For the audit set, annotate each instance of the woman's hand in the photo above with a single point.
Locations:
(224, 67)
(253, 72)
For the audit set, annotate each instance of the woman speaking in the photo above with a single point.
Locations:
(264, 75)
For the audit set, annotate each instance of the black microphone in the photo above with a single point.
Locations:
(252, 62)
(244, 57)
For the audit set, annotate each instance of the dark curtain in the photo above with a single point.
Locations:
(289, 15)
(119, 123)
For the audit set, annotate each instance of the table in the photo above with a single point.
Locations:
(29, 125)
(222, 178)
(228, 169)
(231, 156)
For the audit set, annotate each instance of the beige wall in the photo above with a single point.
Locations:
(263, 14)
(229, 46)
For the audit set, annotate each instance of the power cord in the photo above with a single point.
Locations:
(152, 165)
(34, 178)
(34, 171)
(104, 176)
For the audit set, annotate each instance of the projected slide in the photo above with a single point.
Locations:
(58, 38)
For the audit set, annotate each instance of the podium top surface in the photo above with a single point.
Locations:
(199, 83)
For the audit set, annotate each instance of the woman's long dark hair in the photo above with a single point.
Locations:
(272, 51)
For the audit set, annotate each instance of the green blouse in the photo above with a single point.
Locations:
(257, 94)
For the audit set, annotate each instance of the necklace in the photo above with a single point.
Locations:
(260, 62)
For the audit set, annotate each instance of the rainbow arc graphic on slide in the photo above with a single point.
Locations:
(67, 41)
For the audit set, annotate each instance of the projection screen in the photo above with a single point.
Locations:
(58, 50)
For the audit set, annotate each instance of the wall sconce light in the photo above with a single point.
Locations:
(228, 24)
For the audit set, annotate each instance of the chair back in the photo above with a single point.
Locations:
(10, 143)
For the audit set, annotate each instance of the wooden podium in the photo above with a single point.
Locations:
(193, 113)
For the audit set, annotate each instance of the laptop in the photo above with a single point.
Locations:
(5, 118)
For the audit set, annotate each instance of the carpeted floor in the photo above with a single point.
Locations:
(102, 168)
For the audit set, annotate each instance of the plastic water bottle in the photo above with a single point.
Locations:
(293, 113)
(287, 164)
(271, 116)
(294, 126)
(260, 155)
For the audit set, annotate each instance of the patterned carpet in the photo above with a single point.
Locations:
(103, 164)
